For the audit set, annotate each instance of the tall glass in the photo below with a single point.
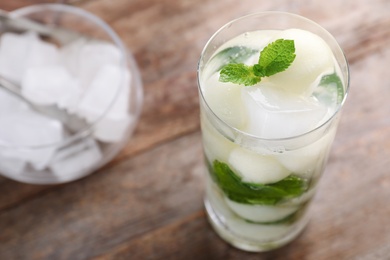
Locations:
(256, 216)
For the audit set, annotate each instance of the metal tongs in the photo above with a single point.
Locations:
(22, 24)
(72, 122)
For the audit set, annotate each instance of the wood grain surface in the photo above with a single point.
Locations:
(147, 203)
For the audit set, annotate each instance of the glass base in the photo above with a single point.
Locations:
(250, 245)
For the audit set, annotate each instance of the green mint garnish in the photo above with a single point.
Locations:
(330, 90)
(274, 58)
(239, 74)
(254, 193)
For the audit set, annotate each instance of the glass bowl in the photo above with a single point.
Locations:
(89, 74)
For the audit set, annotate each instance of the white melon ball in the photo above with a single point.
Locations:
(224, 99)
(260, 213)
(236, 224)
(216, 146)
(313, 58)
(257, 232)
(215, 197)
(257, 168)
(304, 161)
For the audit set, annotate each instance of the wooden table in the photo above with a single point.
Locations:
(147, 203)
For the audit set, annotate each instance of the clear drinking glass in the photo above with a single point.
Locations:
(110, 100)
(253, 216)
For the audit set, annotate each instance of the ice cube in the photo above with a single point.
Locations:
(275, 114)
(113, 128)
(224, 99)
(313, 58)
(9, 103)
(260, 213)
(84, 59)
(70, 56)
(14, 49)
(304, 161)
(93, 56)
(76, 159)
(19, 52)
(11, 165)
(26, 130)
(42, 53)
(101, 93)
(108, 96)
(123, 76)
(51, 85)
(256, 168)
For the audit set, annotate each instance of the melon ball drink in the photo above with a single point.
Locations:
(271, 87)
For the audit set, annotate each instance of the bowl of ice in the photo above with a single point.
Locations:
(79, 94)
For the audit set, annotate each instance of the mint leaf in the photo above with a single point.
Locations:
(258, 70)
(239, 74)
(334, 79)
(253, 193)
(291, 185)
(276, 57)
(330, 90)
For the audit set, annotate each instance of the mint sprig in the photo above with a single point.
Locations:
(334, 79)
(239, 74)
(274, 58)
(254, 193)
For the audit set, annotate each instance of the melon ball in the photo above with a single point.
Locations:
(257, 168)
(313, 59)
(224, 99)
(260, 213)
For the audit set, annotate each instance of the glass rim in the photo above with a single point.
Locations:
(102, 25)
(255, 137)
